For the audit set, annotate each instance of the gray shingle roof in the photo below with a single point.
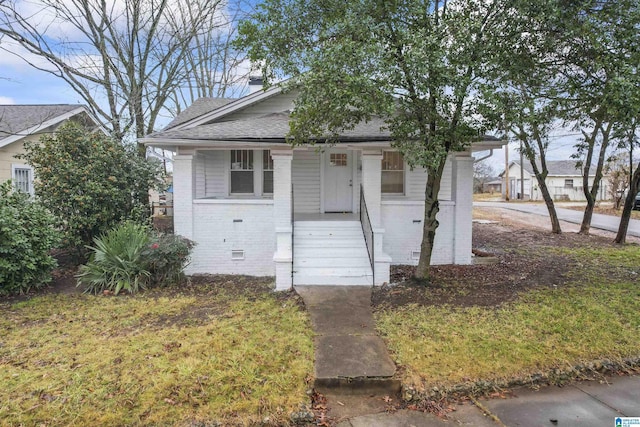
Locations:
(15, 119)
(198, 108)
(274, 126)
(559, 168)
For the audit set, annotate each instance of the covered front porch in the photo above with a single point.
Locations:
(312, 216)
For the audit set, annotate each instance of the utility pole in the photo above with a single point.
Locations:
(521, 173)
(506, 172)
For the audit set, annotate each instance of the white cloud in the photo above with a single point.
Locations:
(4, 100)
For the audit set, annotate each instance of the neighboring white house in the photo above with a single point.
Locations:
(311, 214)
(564, 182)
(22, 123)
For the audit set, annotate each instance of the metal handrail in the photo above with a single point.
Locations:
(367, 231)
(292, 234)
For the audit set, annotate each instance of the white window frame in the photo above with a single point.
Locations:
(14, 168)
(258, 173)
(404, 175)
(264, 169)
(568, 183)
(231, 171)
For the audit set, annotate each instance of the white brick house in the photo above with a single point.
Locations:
(256, 206)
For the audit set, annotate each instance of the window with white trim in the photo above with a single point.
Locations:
(241, 171)
(392, 173)
(267, 172)
(568, 183)
(22, 177)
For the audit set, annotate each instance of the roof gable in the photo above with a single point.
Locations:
(200, 107)
(183, 121)
(19, 121)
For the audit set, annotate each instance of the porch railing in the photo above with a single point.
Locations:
(292, 234)
(367, 231)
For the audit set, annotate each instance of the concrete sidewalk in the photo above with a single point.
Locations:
(588, 404)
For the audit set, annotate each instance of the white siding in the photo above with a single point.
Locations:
(403, 221)
(199, 178)
(215, 173)
(217, 235)
(416, 181)
(275, 104)
(445, 183)
(306, 181)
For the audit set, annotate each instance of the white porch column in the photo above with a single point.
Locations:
(282, 208)
(371, 185)
(183, 193)
(462, 194)
(371, 182)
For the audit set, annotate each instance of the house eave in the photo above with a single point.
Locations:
(51, 122)
(347, 142)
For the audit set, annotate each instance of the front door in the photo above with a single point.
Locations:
(338, 181)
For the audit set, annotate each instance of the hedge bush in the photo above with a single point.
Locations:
(27, 235)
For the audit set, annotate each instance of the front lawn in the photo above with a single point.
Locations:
(205, 353)
(534, 325)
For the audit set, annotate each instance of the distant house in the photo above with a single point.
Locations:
(564, 182)
(493, 185)
(314, 214)
(22, 123)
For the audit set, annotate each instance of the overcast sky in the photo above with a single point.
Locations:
(21, 84)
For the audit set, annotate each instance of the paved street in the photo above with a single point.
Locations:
(602, 222)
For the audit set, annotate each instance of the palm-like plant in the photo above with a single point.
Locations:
(117, 261)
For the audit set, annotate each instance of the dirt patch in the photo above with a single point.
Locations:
(526, 259)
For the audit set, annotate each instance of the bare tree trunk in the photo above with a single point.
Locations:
(628, 207)
(541, 172)
(591, 193)
(541, 177)
(430, 223)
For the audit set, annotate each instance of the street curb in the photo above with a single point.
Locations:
(557, 376)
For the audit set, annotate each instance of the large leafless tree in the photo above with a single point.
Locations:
(128, 60)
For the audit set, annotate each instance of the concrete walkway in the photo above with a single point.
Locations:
(349, 356)
(599, 221)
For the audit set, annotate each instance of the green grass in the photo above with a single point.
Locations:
(145, 360)
(593, 318)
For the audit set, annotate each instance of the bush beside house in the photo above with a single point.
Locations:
(27, 235)
(90, 182)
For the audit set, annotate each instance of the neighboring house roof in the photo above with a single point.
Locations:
(555, 168)
(19, 121)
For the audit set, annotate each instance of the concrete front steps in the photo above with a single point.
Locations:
(330, 253)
